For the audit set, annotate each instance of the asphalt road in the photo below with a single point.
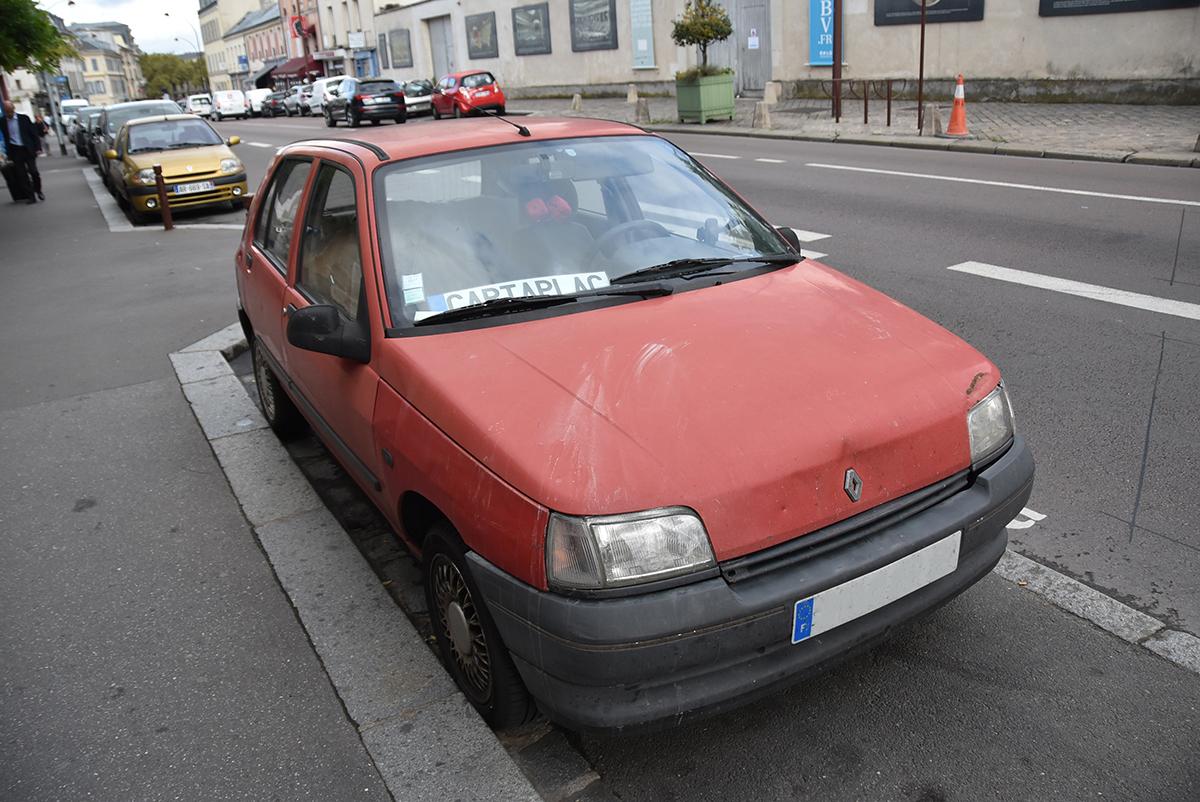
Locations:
(998, 694)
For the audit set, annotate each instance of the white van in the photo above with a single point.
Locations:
(320, 93)
(255, 98)
(230, 103)
(200, 105)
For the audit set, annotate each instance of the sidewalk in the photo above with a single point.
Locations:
(1153, 134)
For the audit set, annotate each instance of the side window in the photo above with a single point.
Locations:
(330, 262)
(591, 197)
(273, 233)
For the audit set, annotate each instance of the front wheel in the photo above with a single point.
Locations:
(437, 115)
(329, 121)
(467, 637)
(457, 111)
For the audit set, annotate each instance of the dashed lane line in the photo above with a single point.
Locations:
(713, 155)
(807, 254)
(1095, 292)
(1005, 184)
(771, 161)
(260, 145)
(108, 207)
(809, 236)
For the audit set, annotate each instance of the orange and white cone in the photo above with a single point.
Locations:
(958, 115)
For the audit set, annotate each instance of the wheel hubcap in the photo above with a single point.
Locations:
(262, 377)
(459, 620)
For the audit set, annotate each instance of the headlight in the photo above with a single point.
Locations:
(617, 550)
(990, 425)
(146, 176)
(230, 165)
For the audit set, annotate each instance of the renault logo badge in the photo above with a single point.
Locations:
(189, 168)
(853, 484)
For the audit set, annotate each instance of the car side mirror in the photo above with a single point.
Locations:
(789, 235)
(234, 140)
(110, 154)
(320, 328)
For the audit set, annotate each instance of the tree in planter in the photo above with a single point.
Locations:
(702, 23)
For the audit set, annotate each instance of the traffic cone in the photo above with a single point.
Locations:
(958, 115)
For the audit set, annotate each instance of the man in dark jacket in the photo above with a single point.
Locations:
(22, 142)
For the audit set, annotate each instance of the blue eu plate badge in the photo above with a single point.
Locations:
(802, 620)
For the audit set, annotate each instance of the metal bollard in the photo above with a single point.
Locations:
(866, 98)
(889, 102)
(163, 207)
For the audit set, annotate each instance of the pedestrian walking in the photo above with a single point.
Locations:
(43, 129)
(21, 142)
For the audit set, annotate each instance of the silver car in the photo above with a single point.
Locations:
(296, 101)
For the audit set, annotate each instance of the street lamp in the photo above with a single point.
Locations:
(197, 38)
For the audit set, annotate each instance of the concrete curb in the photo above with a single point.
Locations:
(1164, 159)
(425, 739)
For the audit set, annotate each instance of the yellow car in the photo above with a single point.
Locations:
(198, 168)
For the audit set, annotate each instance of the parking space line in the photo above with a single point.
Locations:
(1004, 184)
(713, 155)
(809, 236)
(1095, 292)
(113, 215)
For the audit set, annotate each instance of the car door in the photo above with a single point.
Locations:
(336, 394)
(264, 259)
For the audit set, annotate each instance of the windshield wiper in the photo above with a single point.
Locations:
(684, 267)
(179, 145)
(496, 306)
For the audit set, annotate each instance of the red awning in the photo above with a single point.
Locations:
(297, 67)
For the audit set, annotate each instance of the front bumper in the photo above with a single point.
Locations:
(616, 663)
(226, 188)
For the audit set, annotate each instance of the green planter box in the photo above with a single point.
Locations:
(709, 97)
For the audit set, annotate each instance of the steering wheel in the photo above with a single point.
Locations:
(627, 232)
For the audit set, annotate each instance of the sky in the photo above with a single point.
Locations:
(153, 32)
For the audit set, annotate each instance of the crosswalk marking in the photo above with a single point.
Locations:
(1094, 292)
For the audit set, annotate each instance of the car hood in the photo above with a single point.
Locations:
(746, 401)
(205, 159)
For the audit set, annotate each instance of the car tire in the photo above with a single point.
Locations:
(457, 112)
(500, 110)
(437, 115)
(402, 117)
(351, 120)
(329, 121)
(486, 674)
(277, 407)
(217, 117)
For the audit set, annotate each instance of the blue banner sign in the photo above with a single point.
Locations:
(820, 33)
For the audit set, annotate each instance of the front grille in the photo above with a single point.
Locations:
(196, 198)
(187, 178)
(842, 533)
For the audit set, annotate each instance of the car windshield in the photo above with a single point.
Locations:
(375, 87)
(170, 135)
(118, 117)
(418, 88)
(551, 218)
(478, 79)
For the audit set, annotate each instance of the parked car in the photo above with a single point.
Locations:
(200, 105)
(255, 98)
(91, 133)
(272, 104)
(198, 167)
(417, 95)
(320, 93)
(111, 120)
(296, 100)
(651, 468)
(79, 127)
(69, 109)
(358, 99)
(230, 103)
(463, 93)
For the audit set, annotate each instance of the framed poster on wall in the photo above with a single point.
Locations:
(1062, 8)
(401, 48)
(908, 12)
(593, 25)
(531, 29)
(481, 35)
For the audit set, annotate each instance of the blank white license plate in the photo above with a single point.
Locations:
(197, 186)
(843, 603)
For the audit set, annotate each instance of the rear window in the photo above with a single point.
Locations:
(478, 79)
(118, 117)
(374, 87)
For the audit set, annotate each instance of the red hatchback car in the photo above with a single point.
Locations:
(460, 94)
(654, 461)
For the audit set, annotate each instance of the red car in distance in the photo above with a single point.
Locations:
(463, 93)
(655, 462)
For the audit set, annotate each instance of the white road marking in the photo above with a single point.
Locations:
(771, 161)
(713, 155)
(260, 145)
(809, 236)
(1095, 292)
(108, 207)
(1006, 184)
(214, 226)
(1031, 518)
(807, 254)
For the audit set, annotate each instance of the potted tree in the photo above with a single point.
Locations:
(703, 93)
